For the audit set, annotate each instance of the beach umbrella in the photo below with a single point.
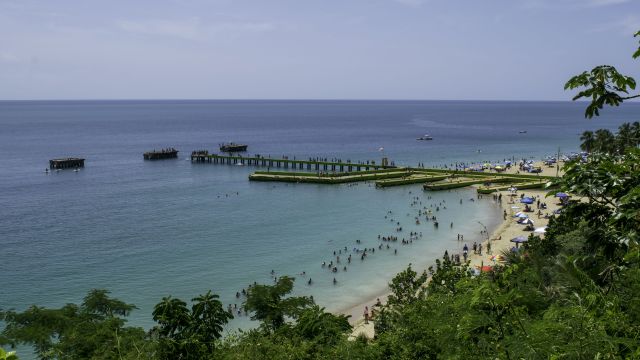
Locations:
(513, 189)
(527, 200)
(519, 239)
(522, 216)
(540, 230)
(528, 222)
(562, 195)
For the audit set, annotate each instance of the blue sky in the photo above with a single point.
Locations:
(309, 49)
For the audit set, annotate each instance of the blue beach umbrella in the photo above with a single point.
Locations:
(527, 200)
(562, 195)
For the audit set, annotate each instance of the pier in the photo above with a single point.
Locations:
(168, 153)
(203, 156)
(383, 174)
(66, 163)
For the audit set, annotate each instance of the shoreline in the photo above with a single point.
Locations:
(499, 237)
(356, 311)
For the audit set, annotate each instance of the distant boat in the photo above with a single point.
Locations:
(425, 137)
(523, 131)
(233, 147)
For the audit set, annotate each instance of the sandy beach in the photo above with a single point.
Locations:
(499, 239)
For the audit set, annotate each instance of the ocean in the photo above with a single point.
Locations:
(148, 229)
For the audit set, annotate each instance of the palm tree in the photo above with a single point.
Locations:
(208, 317)
(587, 141)
(624, 137)
(172, 315)
(635, 133)
(604, 141)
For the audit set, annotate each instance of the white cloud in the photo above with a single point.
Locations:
(411, 2)
(192, 28)
(626, 26)
(9, 58)
(551, 4)
(187, 29)
(597, 3)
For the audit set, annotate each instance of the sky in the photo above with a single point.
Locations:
(309, 49)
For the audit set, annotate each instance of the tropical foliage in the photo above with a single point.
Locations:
(603, 85)
(604, 141)
(189, 334)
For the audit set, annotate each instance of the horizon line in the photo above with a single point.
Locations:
(282, 99)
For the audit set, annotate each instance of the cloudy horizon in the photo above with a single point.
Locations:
(288, 49)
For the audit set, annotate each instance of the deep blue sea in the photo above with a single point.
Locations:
(146, 229)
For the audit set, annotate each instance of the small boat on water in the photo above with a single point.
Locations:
(233, 147)
(425, 137)
(523, 131)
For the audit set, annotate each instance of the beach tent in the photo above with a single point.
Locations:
(540, 230)
(519, 239)
(527, 200)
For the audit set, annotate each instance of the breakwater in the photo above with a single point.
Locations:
(286, 163)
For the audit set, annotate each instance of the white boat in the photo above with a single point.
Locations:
(425, 137)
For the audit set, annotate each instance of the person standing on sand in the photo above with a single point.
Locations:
(366, 314)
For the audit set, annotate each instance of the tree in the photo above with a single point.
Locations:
(624, 138)
(93, 329)
(316, 324)
(184, 334)
(604, 85)
(406, 287)
(8, 355)
(587, 141)
(605, 141)
(268, 304)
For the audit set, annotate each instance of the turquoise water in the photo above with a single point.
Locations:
(145, 230)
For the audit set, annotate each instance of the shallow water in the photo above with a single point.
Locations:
(145, 230)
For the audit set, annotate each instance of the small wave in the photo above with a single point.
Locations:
(421, 122)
